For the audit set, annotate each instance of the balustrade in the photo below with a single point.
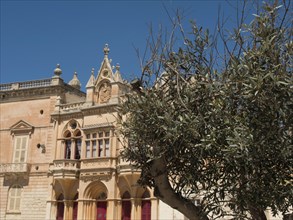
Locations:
(14, 168)
(25, 85)
(65, 168)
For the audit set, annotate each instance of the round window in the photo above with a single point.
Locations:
(73, 125)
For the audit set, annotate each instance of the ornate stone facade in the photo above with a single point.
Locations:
(60, 152)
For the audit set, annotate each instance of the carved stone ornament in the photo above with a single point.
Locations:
(105, 73)
(104, 92)
(94, 177)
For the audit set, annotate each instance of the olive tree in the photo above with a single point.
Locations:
(217, 129)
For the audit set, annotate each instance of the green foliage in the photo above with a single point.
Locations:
(226, 135)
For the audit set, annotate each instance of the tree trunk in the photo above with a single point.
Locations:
(257, 214)
(165, 192)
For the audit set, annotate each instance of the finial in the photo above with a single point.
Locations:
(58, 71)
(117, 67)
(93, 71)
(106, 49)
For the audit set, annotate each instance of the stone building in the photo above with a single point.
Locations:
(60, 153)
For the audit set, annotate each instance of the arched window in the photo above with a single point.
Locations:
(75, 207)
(14, 198)
(102, 207)
(77, 143)
(67, 152)
(145, 206)
(72, 141)
(126, 206)
(60, 207)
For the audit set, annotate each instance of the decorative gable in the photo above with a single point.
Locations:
(105, 71)
(21, 127)
(107, 86)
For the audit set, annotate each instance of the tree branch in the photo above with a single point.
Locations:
(165, 192)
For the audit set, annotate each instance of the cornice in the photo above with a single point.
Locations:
(85, 111)
(99, 109)
(37, 93)
(66, 115)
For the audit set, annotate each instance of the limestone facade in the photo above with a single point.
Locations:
(60, 152)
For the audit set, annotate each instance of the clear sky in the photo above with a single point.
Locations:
(37, 34)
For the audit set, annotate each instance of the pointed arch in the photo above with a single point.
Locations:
(145, 206)
(126, 206)
(99, 192)
(72, 135)
(71, 126)
(95, 189)
(60, 207)
(124, 184)
(77, 133)
(146, 194)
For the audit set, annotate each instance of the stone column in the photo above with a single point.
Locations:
(68, 209)
(80, 209)
(154, 208)
(72, 148)
(93, 209)
(60, 150)
(51, 210)
(138, 208)
(119, 209)
(133, 209)
(85, 210)
(111, 209)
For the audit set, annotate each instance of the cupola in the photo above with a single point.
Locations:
(75, 82)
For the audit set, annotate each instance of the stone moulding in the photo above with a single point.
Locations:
(97, 169)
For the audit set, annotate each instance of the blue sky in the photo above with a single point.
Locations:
(36, 35)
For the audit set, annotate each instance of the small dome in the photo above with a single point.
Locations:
(75, 81)
(58, 71)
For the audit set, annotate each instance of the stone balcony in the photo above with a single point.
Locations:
(65, 169)
(126, 169)
(14, 168)
(97, 168)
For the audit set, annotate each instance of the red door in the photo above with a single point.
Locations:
(101, 210)
(126, 210)
(60, 211)
(146, 210)
(75, 205)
